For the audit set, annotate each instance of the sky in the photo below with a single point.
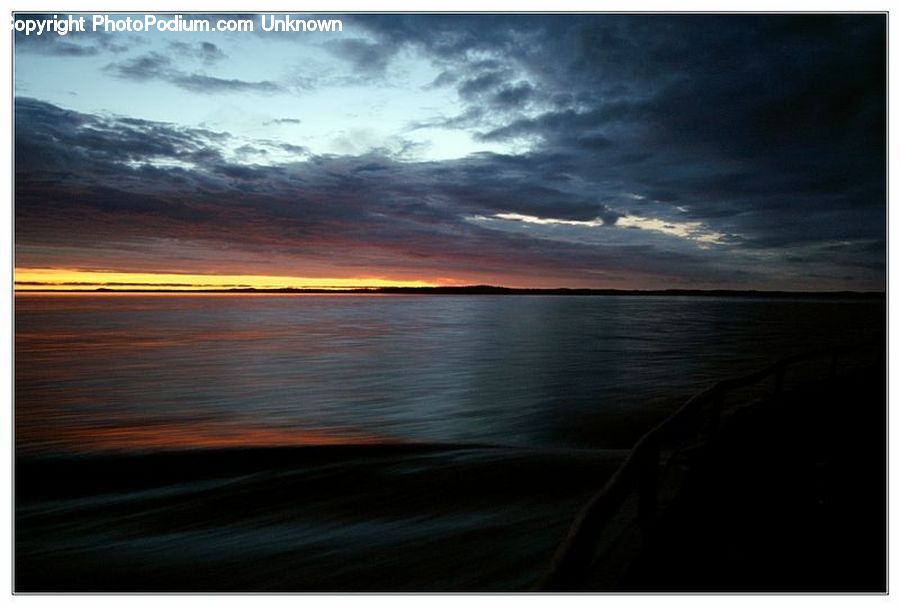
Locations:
(605, 151)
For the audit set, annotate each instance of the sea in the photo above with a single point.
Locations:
(98, 372)
(346, 442)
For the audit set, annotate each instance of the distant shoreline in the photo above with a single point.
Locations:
(491, 290)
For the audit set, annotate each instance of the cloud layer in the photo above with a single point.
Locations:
(735, 151)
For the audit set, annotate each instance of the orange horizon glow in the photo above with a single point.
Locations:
(59, 279)
(196, 435)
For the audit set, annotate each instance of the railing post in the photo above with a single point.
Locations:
(577, 553)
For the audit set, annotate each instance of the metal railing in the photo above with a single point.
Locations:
(638, 477)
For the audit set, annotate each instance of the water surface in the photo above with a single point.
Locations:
(97, 372)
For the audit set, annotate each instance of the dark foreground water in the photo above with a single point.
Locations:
(524, 404)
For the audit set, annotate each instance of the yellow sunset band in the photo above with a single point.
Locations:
(30, 279)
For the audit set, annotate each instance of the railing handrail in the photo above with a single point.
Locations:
(573, 558)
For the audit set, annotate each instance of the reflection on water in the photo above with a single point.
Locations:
(380, 374)
(96, 372)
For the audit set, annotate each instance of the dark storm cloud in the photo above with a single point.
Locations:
(56, 46)
(415, 215)
(366, 57)
(447, 37)
(513, 96)
(771, 127)
(56, 136)
(468, 119)
(445, 78)
(766, 130)
(145, 67)
(199, 83)
(293, 149)
(155, 66)
(475, 87)
(206, 52)
(284, 121)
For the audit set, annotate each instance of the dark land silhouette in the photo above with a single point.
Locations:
(497, 290)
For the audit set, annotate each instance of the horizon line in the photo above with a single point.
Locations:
(466, 289)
